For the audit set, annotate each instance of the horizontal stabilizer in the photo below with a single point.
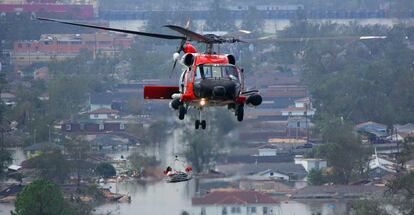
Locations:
(160, 92)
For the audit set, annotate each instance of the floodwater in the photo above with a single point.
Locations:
(165, 198)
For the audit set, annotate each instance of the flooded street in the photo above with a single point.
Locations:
(165, 198)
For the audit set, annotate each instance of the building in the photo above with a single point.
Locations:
(311, 163)
(266, 186)
(303, 107)
(375, 132)
(39, 148)
(234, 202)
(52, 47)
(103, 114)
(93, 126)
(264, 171)
(379, 167)
(84, 11)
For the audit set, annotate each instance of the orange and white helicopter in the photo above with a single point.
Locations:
(210, 79)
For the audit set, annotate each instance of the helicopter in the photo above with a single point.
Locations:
(209, 79)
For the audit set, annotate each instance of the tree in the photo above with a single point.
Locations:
(202, 148)
(140, 161)
(51, 165)
(105, 170)
(368, 207)
(253, 21)
(41, 197)
(218, 19)
(401, 193)
(316, 177)
(5, 160)
(343, 149)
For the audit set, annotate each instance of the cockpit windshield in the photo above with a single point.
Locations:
(216, 71)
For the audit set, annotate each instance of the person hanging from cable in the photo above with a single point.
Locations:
(174, 175)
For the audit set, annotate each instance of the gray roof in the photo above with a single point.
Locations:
(249, 169)
(337, 191)
(43, 146)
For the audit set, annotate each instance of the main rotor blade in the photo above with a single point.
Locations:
(190, 34)
(238, 33)
(305, 39)
(162, 36)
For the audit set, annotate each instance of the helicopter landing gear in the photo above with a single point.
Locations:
(181, 112)
(239, 112)
(199, 122)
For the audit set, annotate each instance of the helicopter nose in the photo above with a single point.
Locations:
(219, 91)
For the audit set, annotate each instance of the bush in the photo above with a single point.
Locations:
(105, 170)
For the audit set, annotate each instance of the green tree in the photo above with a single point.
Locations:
(202, 148)
(140, 161)
(218, 19)
(5, 160)
(105, 170)
(368, 207)
(41, 197)
(401, 193)
(253, 21)
(343, 149)
(52, 165)
(317, 177)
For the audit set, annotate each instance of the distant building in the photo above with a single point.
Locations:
(379, 167)
(264, 171)
(234, 202)
(266, 186)
(103, 114)
(92, 126)
(40, 148)
(311, 163)
(51, 47)
(303, 107)
(49, 8)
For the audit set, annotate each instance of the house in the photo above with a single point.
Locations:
(379, 167)
(406, 130)
(409, 165)
(41, 73)
(311, 163)
(14, 168)
(9, 194)
(266, 186)
(262, 171)
(303, 107)
(39, 148)
(103, 114)
(92, 126)
(232, 201)
(100, 100)
(337, 191)
(9, 99)
(375, 132)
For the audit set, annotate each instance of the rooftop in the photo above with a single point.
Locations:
(104, 111)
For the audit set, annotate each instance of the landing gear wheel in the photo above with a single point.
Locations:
(181, 112)
(239, 113)
(197, 124)
(203, 124)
